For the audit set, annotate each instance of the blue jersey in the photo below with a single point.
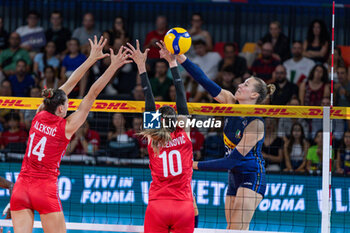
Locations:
(233, 131)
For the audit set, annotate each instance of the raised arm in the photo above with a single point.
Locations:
(221, 95)
(253, 133)
(96, 54)
(181, 102)
(140, 60)
(75, 120)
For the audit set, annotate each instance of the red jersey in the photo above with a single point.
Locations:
(172, 169)
(143, 142)
(197, 139)
(47, 143)
(92, 137)
(154, 50)
(16, 137)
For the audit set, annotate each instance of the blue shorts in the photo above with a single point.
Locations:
(252, 180)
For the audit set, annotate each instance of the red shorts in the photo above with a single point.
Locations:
(163, 216)
(36, 194)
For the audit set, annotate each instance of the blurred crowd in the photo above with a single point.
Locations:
(33, 58)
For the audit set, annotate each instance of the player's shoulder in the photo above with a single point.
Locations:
(255, 123)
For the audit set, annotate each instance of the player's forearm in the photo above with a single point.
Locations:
(181, 102)
(200, 77)
(101, 83)
(150, 104)
(77, 75)
(216, 165)
(5, 183)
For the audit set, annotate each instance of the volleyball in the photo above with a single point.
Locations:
(177, 40)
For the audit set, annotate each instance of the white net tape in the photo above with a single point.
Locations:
(124, 228)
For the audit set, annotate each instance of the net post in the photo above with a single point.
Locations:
(326, 176)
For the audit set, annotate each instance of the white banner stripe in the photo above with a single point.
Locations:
(126, 228)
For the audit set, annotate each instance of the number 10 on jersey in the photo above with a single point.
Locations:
(170, 157)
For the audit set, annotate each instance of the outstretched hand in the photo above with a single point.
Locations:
(96, 51)
(119, 59)
(165, 54)
(138, 57)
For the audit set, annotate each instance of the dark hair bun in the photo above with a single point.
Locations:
(47, 93)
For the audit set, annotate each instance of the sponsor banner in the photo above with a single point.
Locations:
(111, 194)
(194, 108)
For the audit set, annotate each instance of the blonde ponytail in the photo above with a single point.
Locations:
(159, 137)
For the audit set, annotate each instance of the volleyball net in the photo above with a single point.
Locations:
(104, 185)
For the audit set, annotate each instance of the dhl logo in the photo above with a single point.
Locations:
(319, 112)
(103, 105)
(216, 109)
(272, 112)
(13, 103)
(98, 105)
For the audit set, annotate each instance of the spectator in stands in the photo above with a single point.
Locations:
(278, 40)
(119, 29)
(85, 141)
(227, 80)
(111, 43)
(263, 67)
(156, 35)
(207, 61)
(119, 143)
(70, 63)
(87, 31)
(47, 58)
(50, 79)
(237, 63)
(343, 155)
(337, 62)
(315, 88)
(172, 93)
(133, 133)
(9, 57)
(342, 88)
(57, 33)
(298, 67)
(107, 35)
(161, 82)
(138, 94)
(314, 154)
(316, 45)
(21, 81)
(14, 134)
(272, 149)
(197, 33)
(285, 90)
(4, 35)
(338, 124)
(29, 114)
(295, 149)
(125, 78)
(285, 124)
(5, 90)
(197, 139)
(214, 146)
(32, 35)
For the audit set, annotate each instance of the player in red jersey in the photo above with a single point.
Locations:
(170, 206)
(50, 132)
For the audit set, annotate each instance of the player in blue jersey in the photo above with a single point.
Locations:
(243, 138)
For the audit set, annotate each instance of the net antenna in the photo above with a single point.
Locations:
(327, 150)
